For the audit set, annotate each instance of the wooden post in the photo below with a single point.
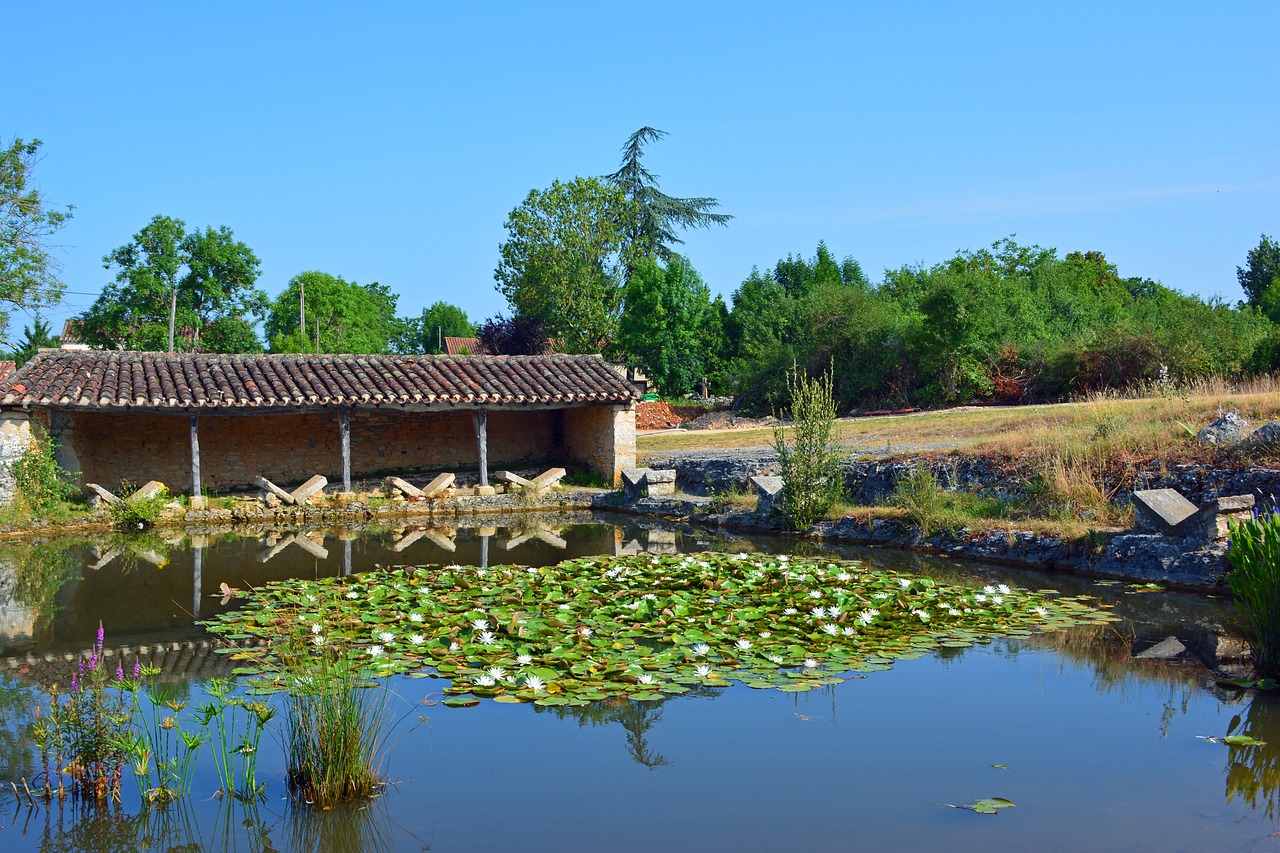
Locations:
(195, 456)
(344, 430)
(480, 419)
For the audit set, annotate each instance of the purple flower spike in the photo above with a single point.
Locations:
(102, 635)
(81, 665)
(120, 672)
(75, 684)
(137, 668)
(93, 661)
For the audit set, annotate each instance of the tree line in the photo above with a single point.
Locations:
(592, 265)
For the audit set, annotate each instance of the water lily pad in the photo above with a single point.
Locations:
(461, 702)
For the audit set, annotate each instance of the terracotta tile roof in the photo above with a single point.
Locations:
(201, 381)
(455, 346)
(7, 367)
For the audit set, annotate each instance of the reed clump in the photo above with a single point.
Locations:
(1254, 554)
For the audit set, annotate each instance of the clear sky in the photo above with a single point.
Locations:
(388, 141)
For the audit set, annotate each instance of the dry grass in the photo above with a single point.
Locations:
(1103, 429)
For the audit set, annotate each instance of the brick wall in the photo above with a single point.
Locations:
(108, 448)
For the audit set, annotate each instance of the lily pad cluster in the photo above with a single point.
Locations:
(637, 627)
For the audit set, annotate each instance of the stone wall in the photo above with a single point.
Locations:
(603, 437)
(109, 448)
(15, 438)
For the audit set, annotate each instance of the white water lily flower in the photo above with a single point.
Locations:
(316, 627)
(487, 638)
(790, 611)
(646, 678)
(1004, 588)
(997, 599)
(496, 672)
(1040, 611)
(318, 640)
(848, 631)
(480, 624)
(764, 635)
(834, 611)
(866, 617)
(818, 612)
(775, 658)
(831, 629)
(484, 680)
(386, 636)
(881, 596)
(417, 639)
(635, 605)
(534, 683)
(585, 631)
(922, 615)
(700, 648)
(742, 645)
(374, 651)
(650, 596)
(844, 576)
(415, 617)
(905, 583)
(989, 590)
(702, 670)
(564, 607)
(481, 572)
(980, 597)
(815, 593)
(353, 594)
(810, 663)
(524, 660)
(454, 646)
(951, 611)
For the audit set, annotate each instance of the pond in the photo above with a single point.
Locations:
(1096, 750)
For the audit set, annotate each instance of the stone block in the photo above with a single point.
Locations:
(1160, 510)
(1167, 649)
(404, 487)
(272, 489)
(513, 479)
(312, 547)
(633, 481)
(548, 478)
(96, 491)
(768, 491)
(1227, 429)
(148, 491)
(440, 484)
(197, 502)
(485, 491)
(1268, 433)
(660, 483)
(303, 493)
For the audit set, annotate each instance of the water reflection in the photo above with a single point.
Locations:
(1253, 771)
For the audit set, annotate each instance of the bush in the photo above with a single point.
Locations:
(40, 484)
(809, 464)
(137, 513)
(1254, 554)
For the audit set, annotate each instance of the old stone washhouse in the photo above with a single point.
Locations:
(204, 423)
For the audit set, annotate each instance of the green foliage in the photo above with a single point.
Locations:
(213, 275)
(1254, 554)
(161, 751)
(135, 513)
(1260, 274)
(661, 326)
(809, 464)
(562, 261)
(35, 337)
(441, 321)
(352, 318)
(654, 215)
(28, 272)
(40, 485)
(931, 507)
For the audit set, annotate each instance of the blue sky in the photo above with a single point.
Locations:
(389, 143)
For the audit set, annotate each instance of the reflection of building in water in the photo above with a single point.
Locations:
(17, 620)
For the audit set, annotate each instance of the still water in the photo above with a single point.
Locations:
(1097, 750)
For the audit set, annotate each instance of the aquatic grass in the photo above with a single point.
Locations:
(637, 627)
(161, 750)
(235, 745)
(335, 721)
(1254, 554)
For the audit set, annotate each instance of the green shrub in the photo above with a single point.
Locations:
(809, 464)
(934, 508)
(137, 513)
(40, 484)
(1254, 554)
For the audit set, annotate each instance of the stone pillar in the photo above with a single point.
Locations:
(481, 420)
(15, 439)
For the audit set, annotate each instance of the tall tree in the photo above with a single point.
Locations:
(1260, 272)
(441, 321)
(28, 272)
(35, 337)
(352, 318)
(655, 216)
(562, 265)
(662, 325)
(201, 281)
(519, 335)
